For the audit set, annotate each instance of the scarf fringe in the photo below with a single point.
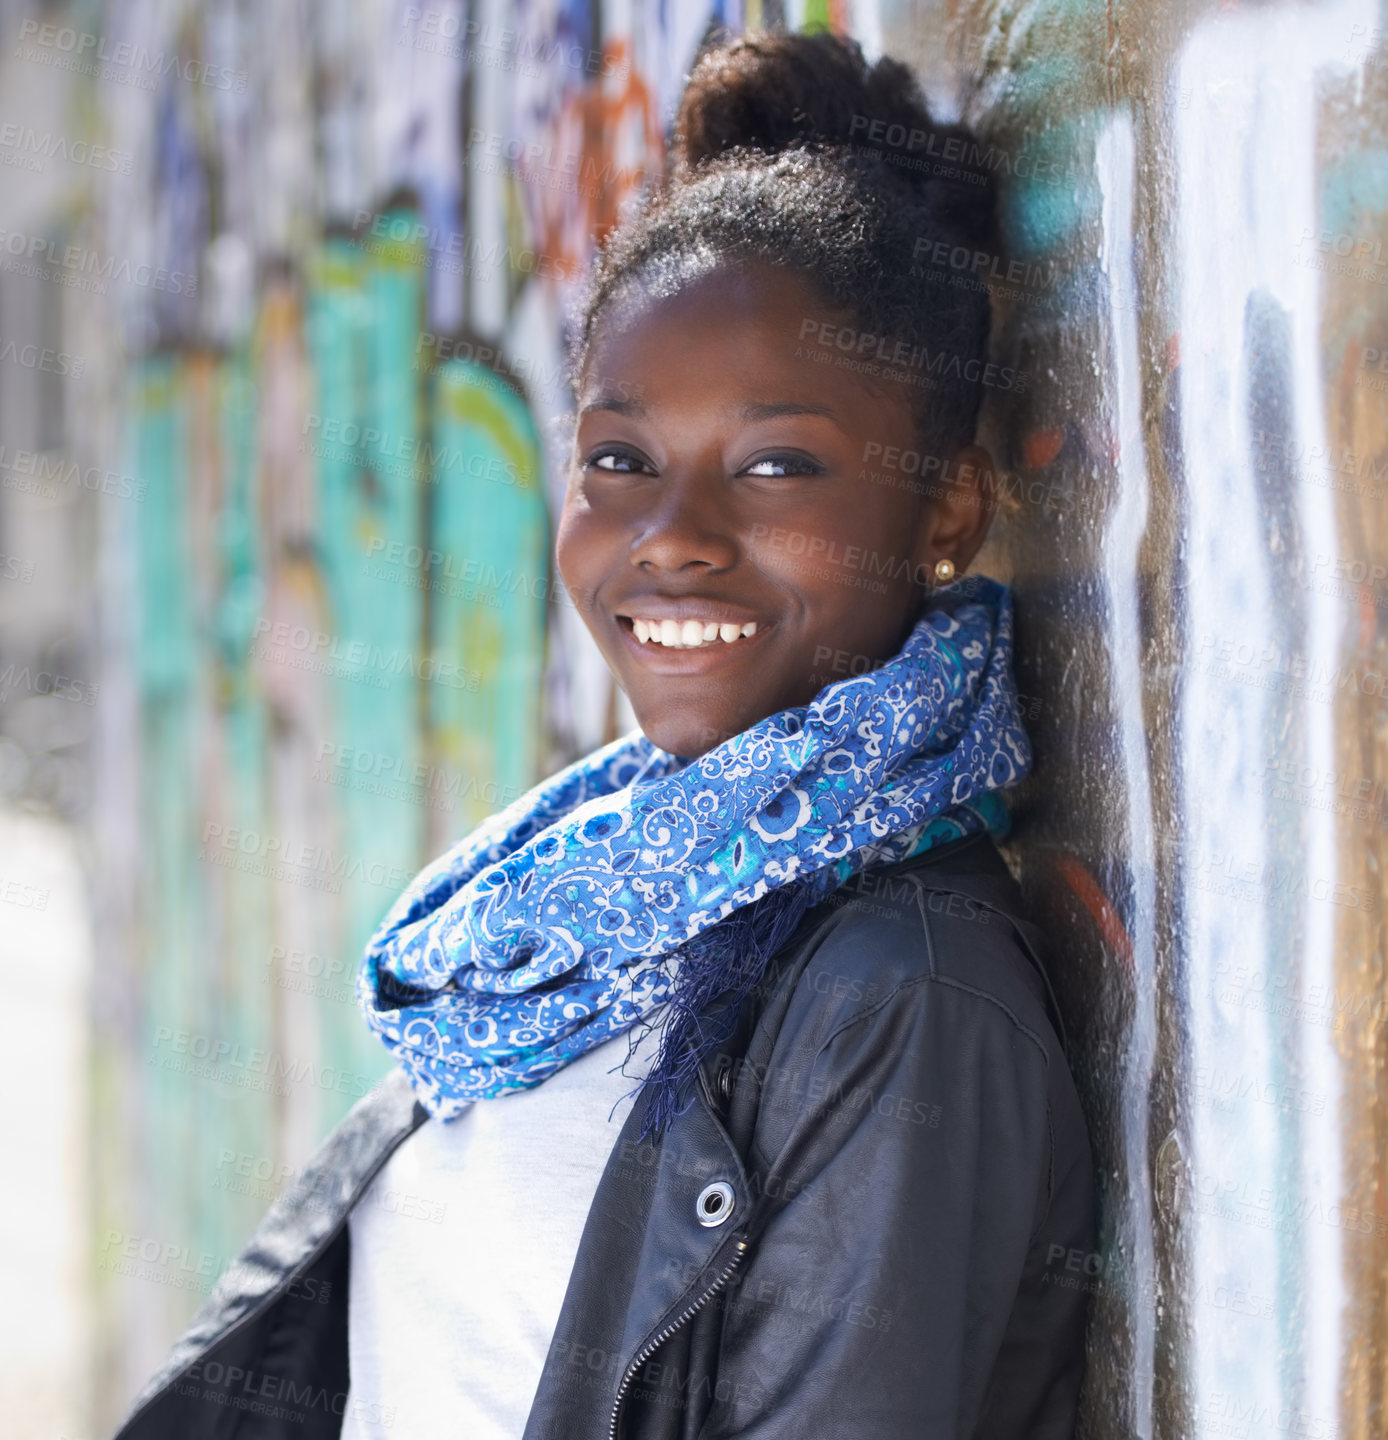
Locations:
(718, 972)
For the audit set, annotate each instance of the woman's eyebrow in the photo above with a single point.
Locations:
(616, 404)
(754, 412)
(623, 405)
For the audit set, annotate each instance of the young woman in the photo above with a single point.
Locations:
(731, 1101)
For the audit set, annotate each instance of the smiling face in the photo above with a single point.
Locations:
(727, 534)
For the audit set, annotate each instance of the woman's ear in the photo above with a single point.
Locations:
(954, 523)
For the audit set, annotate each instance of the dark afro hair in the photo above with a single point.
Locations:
(792, 151)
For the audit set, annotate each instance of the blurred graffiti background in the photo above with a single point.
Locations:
(283, 295)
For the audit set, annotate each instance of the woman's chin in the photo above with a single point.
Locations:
(686, 735)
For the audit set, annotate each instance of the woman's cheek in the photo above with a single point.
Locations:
(576, 544)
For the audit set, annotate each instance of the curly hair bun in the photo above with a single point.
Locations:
(780, 91)
(774, 91)
(793, 152)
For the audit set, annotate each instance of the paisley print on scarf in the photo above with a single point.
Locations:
(548, 930)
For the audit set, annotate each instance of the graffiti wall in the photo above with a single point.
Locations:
(334, 376)
(1195, 284)
(310, 282)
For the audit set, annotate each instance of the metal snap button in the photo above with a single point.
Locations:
(715, 1203)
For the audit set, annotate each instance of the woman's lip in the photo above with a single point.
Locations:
(691, 660)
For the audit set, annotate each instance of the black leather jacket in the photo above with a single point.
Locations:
(873, 1221)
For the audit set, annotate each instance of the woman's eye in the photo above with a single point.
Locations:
(776, 466)
(617, 462)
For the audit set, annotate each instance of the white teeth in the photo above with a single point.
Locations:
(689, 634)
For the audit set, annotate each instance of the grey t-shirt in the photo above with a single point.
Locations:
(462, 1248)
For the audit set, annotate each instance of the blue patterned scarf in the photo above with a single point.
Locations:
(596, 899)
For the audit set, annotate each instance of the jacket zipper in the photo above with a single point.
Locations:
(657, 1340)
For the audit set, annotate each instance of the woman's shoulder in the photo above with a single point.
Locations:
(922, 986)
(951, 919)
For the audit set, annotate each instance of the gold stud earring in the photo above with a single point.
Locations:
(944, 571)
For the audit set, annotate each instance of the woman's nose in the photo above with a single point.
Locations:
(688, 524)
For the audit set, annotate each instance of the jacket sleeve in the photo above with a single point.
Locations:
(925, 1191)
